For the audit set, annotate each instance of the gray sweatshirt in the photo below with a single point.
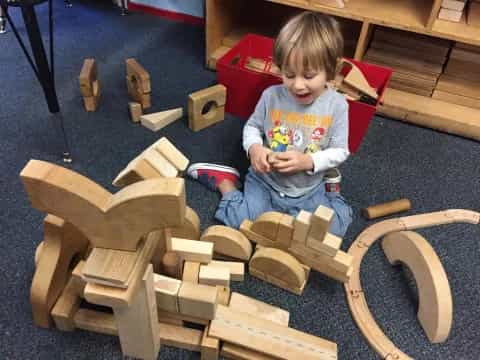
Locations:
(320, 129)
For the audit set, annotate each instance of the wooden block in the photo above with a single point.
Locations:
(214, 275)
(66, 306)
(237, 352)
(166, 292)
(267, 224)
(77, 274)
(259, 309)
(210, 346)
(198, 300)
(91, 102)
(237, 269)
(137, 170)
(450, 15)
(87, 76)
(216, 55)
(474, 14)
(388, 208)
(190, 228)
(137, 74)
(457, 5)
(162, 165)
(198, 117)
(175, 318)
(459, 86)
(456, 99)
(159, 120)
(172, 154)
(320, 222)
(329, 246)
(223, 295)
(301, 226)
(181, 337)
(246, 229)
(331, 3)
(96, 321)
(285, 230)
(228, 241)
(246, 330)
(192, 250)
(135, 111)
(191, 270)
(172, 265)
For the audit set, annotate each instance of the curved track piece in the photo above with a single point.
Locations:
(435, 308)
(111, 221)
(228, 241)
(280, 265)
(353, 288)
(62, 241)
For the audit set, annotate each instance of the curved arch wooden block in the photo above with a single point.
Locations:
(228, 241)
(115, 221)
(62, 241)
(190, 229)
(267, 224)
(435, 308)
(280, 265)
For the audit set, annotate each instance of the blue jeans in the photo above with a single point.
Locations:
(258, 197)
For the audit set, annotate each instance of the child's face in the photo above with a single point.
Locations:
(305, 85)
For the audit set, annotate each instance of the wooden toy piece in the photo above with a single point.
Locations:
(190, 229)
(237, 269)
(66, 306)
(450, 15)
(111, 221)
(254, 333)
(285, 230)
(138, 327)
(38, 252)
(172, 154)
(210, 346)
(191, 270)
(159, 120)
(320, 222)
(91, 103)
(160, 237)
(473, 16)
(172, 264)
(198, 300)
(191, 250)
(135, 111)
(197, 103)
(223, 295)
(246, 229)
(137, 170)
(457, 5)
(117, 297)
(279, 268)
(214, 275)
(89, 84)
(228, 241)
(96, 321)
(77, 277)
(435, 309)
(171, 318)
(181, 337)
(166, 292)
(162, 165)
(388, 208)
(138, 83)
(216, 55)
(332, 3)
(301, 227)
(61, 243)
(259, 309)
(329, 246)
(357, 80)
(267, 224)
(237, 352)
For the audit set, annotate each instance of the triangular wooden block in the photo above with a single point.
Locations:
(157, 121)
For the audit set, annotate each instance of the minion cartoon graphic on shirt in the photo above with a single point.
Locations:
(280, 138)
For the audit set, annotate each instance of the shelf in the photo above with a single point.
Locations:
(457, 31)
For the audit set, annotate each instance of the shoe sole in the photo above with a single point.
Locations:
(206, 166)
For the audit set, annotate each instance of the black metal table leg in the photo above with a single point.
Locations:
(3, 21)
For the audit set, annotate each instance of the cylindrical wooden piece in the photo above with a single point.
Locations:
(172, 265)
(388, 208)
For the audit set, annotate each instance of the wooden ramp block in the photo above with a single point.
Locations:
(198, 300)
(191, 270)
(301, 226)
(228, 241)
(270, 338)
(259, 309)
(435, 308)
(159, 163)
(213, 97)
(159, 120)
(166, 292)
(191, 250)
(137, 170)
(211, 275)
(172, 154)
(237, 269)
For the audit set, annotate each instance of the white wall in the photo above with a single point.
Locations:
(190, 7)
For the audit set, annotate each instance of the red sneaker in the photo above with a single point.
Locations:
(211, 175)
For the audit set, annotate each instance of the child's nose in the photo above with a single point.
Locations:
(298, 83)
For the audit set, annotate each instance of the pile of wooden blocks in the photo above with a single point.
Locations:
(417, 60)
(460, 82)
(473, 17)
(452, 10)
(161, 159)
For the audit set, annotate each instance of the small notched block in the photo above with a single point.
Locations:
(215, 98)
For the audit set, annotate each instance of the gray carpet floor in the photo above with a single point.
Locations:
(436, 171)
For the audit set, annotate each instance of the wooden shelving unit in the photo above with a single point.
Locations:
(227, 20)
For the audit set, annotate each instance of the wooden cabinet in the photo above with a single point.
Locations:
(228, 20)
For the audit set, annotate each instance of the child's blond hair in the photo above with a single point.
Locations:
(316, 37)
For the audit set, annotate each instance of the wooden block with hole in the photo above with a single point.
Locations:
(228, 241)
(329, 246)
(191, 250)
(166, 292)
(206, 107)
(138, 83)
(198, 300)
(214, 275)
(320, 222)
(237, 269)
(159, 120)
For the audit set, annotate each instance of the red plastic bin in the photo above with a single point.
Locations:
(245, 86)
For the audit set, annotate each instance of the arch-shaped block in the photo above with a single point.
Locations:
(228, 241)
(435, 308)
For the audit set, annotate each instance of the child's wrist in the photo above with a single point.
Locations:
(309, 164)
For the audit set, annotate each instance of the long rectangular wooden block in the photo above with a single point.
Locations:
(191, 250)
(329, 246)
(181, 337)
(64, 310)
(198, 300)
(166, 291)
(210, 346)
(259, 309)
(237, 269)
(171, 318)
(214, 275)
(96, 321)
(301, 226)
(268, 337)
(191, 270)
(320, 222)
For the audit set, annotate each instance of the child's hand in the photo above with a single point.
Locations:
(258, 158)
(291, 162)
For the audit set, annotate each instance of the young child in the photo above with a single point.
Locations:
(297, 133)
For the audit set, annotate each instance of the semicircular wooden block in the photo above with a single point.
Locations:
(435, 309)
(279, 264)
(267, 224)
(115, 221)
(190, 229)
(228, 241)
(62, 241)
